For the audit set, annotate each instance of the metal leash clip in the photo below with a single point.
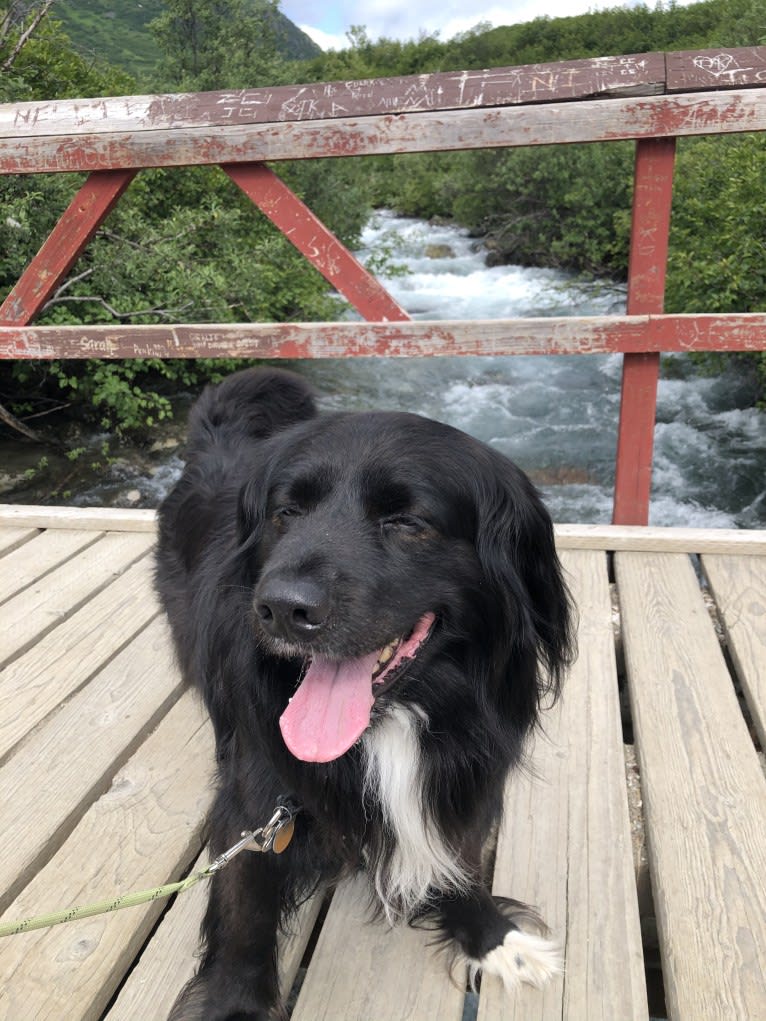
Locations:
(274, 836)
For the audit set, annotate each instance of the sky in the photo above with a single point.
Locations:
(327, 21)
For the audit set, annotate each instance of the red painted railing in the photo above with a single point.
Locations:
(651, 98)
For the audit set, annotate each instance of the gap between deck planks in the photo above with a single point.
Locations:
(739, 589)
(704, 794)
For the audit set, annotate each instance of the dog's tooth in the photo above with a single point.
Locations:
(386, 653)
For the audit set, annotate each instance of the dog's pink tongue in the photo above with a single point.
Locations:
(330, 710)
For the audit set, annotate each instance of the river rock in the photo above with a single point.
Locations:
(438, 252)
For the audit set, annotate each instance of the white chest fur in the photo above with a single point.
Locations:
(421, 861)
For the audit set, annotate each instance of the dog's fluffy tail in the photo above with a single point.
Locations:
(251, 404)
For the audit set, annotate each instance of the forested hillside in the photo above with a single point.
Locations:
(184, 245)
(120, 33)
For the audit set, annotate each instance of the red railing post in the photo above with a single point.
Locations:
(652, 198)
(310, 236)
(80, 221)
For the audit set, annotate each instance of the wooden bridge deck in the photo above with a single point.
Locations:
(104, 782)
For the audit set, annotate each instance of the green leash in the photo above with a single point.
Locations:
(274, 836)
(128, 900)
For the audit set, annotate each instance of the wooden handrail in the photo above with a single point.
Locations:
(651, 98)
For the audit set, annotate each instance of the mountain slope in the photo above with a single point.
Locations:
(118, 32)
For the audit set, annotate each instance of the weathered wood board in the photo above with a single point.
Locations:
(437, 338)
(565, 845)
(12, 538)
(704, 794)
(147, 824)
(739, 587)
(31, 614)
(685, 114)
(72, 756)
(451, 90)
(382, 973)
(719, 68)
(27, 563)
(64, 659)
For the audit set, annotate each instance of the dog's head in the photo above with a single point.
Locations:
(382, 544)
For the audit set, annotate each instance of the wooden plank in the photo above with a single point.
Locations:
(34, 560)
(652, 199)
(572, 536)
(362, 969)
(705, 113)
(79, 222)
(12, 538)
(703, 791)
(170, 959)
(142, 832)
(310, 236)
(720, 68)
(565, 843)
(743, 542)
(642, 73)
(17, 515)
(57, 666)
(72, 757)
(38, 609)
(443, 337)
(739, 588)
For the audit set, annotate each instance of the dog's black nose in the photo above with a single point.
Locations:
(291, 609)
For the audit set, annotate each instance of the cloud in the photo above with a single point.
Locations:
(402, 19)
(325, 40)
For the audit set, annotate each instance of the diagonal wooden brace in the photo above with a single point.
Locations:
(80, 221)
(320, 246)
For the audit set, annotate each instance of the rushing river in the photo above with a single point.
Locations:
(555, 416)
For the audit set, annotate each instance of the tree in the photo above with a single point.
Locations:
(17, 26)
(219, 44)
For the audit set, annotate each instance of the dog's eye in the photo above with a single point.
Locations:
(282, 516)
(405, 524)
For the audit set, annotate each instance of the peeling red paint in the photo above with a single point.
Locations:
(652, 198)
(630, 335)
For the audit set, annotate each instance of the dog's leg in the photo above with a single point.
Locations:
(491, 934)
(237, 979)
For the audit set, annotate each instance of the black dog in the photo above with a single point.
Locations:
(372, 607)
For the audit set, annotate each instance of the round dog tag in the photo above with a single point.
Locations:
(283, 836)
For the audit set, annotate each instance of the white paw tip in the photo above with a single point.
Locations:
(521, 957)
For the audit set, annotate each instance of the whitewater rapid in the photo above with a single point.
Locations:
(556, 416)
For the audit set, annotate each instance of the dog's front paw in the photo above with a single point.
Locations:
(521, 957)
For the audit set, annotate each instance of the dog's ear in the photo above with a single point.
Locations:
(515, 544)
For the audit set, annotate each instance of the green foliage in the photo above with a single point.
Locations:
(48, 67)
(717, 256)
(214, 46)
